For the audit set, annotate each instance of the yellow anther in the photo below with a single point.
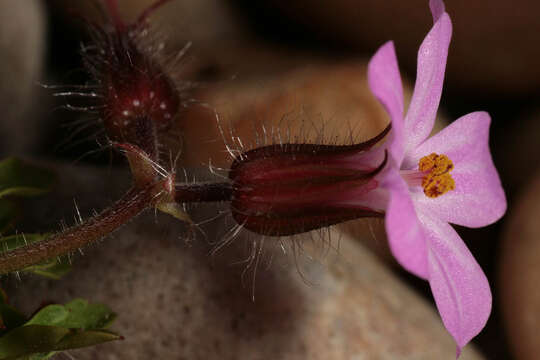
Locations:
(435, 164)
(436, 185)
(438, 180)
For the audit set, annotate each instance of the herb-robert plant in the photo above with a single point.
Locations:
(420, 185)
(137, 102)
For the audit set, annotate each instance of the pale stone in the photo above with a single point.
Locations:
(328, 104)
(176, 301)
(22, 34)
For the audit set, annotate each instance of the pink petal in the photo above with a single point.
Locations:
(385, 83)
(405, 235)
(429, 81)
(478, 199)
(459, 286)
(437, 9)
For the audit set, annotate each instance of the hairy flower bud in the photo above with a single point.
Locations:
(140, 99)
(293, 188)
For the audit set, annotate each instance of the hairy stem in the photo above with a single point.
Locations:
(75, 237)
(129, 206)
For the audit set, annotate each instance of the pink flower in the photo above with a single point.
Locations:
(468, 193)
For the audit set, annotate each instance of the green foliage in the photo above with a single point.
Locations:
(17, 178)
(54, 328)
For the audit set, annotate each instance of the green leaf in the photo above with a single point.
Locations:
(40, 356)
(53, 269)
(40, 342)
(77, 340)
(56, 328)
(77, 314)
(12, 242)
(88, 316)
(11, 318)
(22, 179)
(86, 338)
(50, 315)
(26, 340)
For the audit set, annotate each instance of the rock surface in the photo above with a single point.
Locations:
(22, 34)
(318, 103)
(177, 302)
(519, 273)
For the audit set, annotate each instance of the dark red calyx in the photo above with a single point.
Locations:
(138, 88)
(293, 188)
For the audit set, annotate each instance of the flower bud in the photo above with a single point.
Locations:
(140, 99)
(293, 188)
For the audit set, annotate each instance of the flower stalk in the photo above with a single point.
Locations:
(82, 234)
(420, 184)
(209, 192)
(133, 203)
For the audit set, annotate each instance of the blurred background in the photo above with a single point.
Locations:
(306, 59)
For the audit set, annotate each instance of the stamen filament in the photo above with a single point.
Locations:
(413, 178)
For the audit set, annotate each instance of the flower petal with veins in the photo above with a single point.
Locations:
(429, 83)
(417, 225)
(437, 9)
(384, 82)
(405, 234)
(458, 284)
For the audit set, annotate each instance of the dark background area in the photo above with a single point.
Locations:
(300, 26)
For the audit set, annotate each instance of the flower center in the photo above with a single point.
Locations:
(437, 179)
